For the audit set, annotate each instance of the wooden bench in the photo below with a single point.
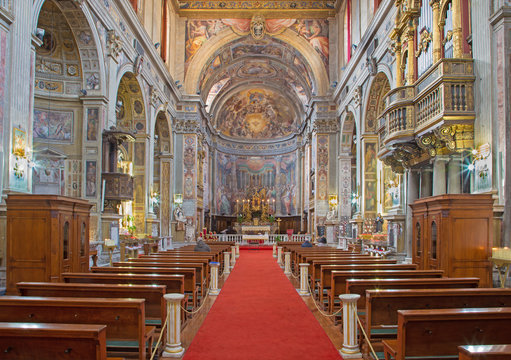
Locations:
(359, 286)
(155, 306)
(437, 333)
(124, 318)
(485, 352)
(200, 270)
(339, 278)
(382, 305)
(315, 268)
(190, 284)
(325, 275)
(24, 341)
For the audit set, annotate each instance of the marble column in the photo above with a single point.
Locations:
(350, 348)
(304, 278)
(233, 256)
(412, 194)
(439, 183)
(274, 250)
(227, 263)
(454, 173)
(173, 346)
(279, 256)
(287, 263)
(425, 182)
(214, 290)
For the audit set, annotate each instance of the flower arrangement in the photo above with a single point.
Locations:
(365, 236)
(380, 237)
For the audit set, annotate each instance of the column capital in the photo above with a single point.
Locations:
(173, 297)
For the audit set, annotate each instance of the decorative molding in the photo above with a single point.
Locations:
(114, 44)
(326, 125)
(425, 39)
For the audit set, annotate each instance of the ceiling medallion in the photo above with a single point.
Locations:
(257, 27)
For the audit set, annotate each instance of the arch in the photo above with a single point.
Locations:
(132, 113)
(375, 104)
(226, 36)
(87, 38)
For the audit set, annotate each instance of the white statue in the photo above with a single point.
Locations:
(331, 215)
(189, 231)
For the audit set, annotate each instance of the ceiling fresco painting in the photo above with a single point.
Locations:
(247, 60)
(315, 31)
(257, 114)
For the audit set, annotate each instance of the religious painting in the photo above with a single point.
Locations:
(19, 143)
(197, 33)
(272, 177)
(90, 179)
(370, 196)
(189, 156)
(48, 177)
(315, 31)
(92, 124)
(257, 114)
(370, 158)
(139, 154)
(391, 188)
(322, 167)
(55, 126)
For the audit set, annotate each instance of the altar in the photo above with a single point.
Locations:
(255, 234)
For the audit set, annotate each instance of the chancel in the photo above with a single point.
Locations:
(255, 179)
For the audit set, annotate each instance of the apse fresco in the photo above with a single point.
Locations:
(257, 114)
(238, 176)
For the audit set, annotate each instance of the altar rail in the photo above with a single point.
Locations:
(238, 238)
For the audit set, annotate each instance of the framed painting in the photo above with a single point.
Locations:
(55, 126)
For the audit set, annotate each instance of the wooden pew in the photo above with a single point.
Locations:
(382, 305)
(24, 341)
(315, 268)
(155, 306)
(174, 283)
(124, 318)
(200, 269)
(339, 278)
(325, 275)
(190, 284)
(359, 286)
(485, 352)
(437, 333)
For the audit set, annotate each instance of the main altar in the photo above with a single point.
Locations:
(255, 217)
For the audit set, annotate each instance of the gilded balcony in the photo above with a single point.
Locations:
(440, 104)
(118, 186)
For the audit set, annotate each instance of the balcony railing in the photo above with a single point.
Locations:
(444, 95)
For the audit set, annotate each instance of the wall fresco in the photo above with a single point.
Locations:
(56, 126)
(189, 160)
(238, 176)
(92, 124)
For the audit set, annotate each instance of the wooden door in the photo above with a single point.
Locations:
(81, 244)
(418, 241)
(432, 243)
(66, 241)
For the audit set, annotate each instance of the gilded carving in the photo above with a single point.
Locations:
(424, 41)
(257, 29)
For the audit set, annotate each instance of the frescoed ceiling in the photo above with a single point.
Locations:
(257, 75)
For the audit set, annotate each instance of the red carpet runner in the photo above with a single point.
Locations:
(259, 315)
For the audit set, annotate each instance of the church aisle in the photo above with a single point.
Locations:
(259, 315)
